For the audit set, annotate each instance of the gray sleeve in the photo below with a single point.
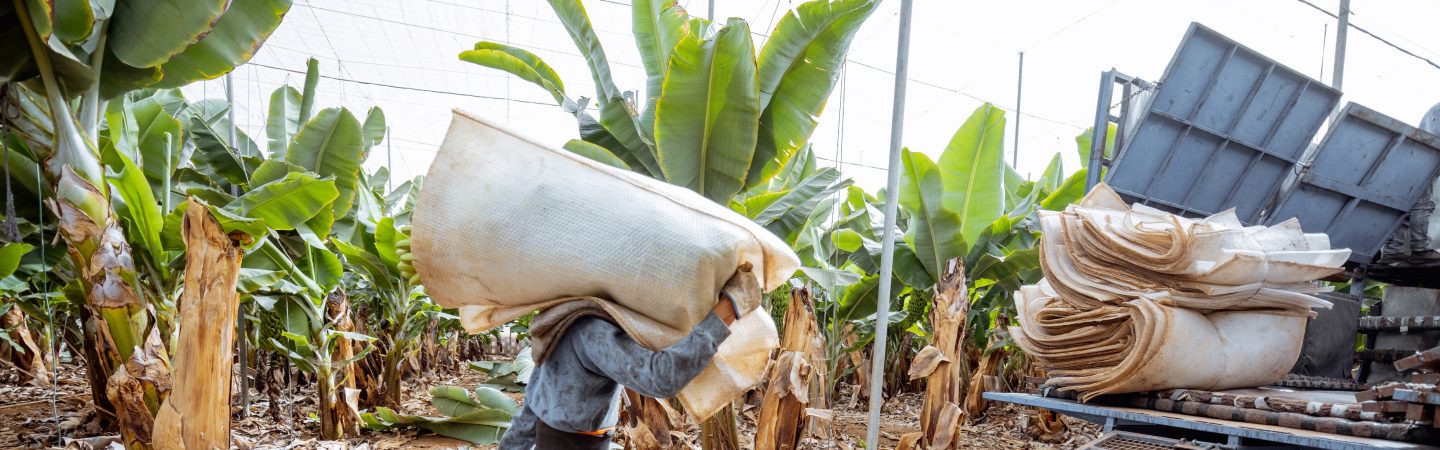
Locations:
(606, 349)
(521, 435)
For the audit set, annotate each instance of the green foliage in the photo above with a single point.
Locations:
(479, 417)
(717, 118)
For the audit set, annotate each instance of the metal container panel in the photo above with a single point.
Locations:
(1366, 175)
(1223, 130)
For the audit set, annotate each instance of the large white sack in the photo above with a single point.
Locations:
(506, 226)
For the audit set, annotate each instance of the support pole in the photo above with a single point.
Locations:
(710, 14)
(887, 255)
(1338, 74)
(389, 164)
(1019, 87)
(1100, 129)
(244, 343)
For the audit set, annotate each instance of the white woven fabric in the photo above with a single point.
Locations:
(506, 226)
(1136, 299)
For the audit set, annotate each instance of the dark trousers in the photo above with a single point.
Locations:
(547, 438)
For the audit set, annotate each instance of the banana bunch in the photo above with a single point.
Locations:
(407, 259)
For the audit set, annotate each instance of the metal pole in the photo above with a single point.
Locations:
(1340, 32)
(1019, 86)
(244, 346)
(1100, 129)
(711, 13)
(389, 163)
(887, 254)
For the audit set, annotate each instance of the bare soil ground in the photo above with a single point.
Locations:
(28, 421)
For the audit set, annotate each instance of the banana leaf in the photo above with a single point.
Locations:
(288, 202)
(235, 38)
(705, 128)
(330, 145)
(972, 168)
(798, 68)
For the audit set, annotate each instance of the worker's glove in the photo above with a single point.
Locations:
(743, 290)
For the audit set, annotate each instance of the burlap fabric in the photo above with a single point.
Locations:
(1136, 299)
(506, 226)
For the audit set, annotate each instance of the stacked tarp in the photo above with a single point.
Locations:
(1137, 299)
(506, 226)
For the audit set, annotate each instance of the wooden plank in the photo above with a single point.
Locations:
(1385, 406)
(1417, 396)
(1426, 359)
(1424, 378)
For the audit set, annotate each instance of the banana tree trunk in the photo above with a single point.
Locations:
(943, 362)
(720, 432)
(28, 358)
(197, 414)
(794, 374)
(128, 351)
(339, 413)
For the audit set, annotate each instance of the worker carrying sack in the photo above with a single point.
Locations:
(506, 226)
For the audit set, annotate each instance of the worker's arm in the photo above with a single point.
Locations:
(521, 435)
(606, 350)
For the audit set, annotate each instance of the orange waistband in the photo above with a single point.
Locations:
(597, 433)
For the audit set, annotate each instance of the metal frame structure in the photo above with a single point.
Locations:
(1129, 87)
(1237, 433)
(1361, 181)
(1241, 116)
(1230, 118)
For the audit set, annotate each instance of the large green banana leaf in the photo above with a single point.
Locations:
(798, 68)
(214, 155)
(330, 145)
(1069, 191)
(705, 126)
(972, 168)
(374, 129)
(138, 206)
(307, 92)
(234, 39)
(1085, 140)
(146, 33)
(934, 231)
(288, 202)
(529, 67)
(284, 120)
(73, 20)
(518, 62)
(17, 63)
(595, 152)
(615, 115)
(787, 215)
(159, 134)
(658, 26)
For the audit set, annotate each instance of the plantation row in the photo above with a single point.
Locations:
(106, 164)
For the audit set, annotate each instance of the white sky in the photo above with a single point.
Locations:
(962, 53)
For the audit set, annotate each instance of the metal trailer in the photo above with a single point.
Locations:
(1229, 128)
(1231, 434)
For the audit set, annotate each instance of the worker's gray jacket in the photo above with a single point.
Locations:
(577, 387)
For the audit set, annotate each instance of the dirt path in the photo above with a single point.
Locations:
(26, 421)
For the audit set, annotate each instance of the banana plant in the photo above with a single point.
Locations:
(295, 272)
(398, 309)
(717, 116)
(968, 205)
(95, 51)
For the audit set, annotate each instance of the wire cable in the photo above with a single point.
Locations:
(1378, 38)
(394, 86)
